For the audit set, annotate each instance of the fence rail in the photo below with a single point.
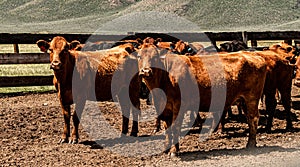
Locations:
(36, 58)
(17, 81)
(27, 38)
(24, 58)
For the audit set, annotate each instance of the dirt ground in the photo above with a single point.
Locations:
(31, 125)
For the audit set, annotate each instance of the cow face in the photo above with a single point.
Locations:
(286, 50)
(149, 59)
(58, 51)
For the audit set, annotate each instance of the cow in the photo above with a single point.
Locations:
(185, 48)
(244, 78)
(76, 72)
(233, 46)
(279, 77)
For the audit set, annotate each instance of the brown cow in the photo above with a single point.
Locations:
(76, 72)
(233, 46)
(244, 78)
(279, 77)
(181, 47)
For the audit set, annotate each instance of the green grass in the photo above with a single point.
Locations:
(26, 89)
(79, 16)
(25, 70)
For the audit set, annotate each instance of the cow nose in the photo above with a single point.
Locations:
(55, 65)
(145, 72)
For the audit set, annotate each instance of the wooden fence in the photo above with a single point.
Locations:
(36, 58)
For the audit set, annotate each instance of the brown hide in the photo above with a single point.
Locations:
(76, 73)
(279, 76)
(244, 78)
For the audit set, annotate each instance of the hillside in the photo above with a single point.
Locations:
(79, 16)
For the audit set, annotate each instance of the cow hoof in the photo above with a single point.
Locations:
(156, 130)
(73, 141)
(124, 132)
(61, 141)
(251, 145)
(289, 127)
(268, 130)
(134, 134)
(173, 155)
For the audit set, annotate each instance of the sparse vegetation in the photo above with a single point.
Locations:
(79, 16)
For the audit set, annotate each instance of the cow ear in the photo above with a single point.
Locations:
(130, 49)
(139, 41)
(75, 45)
(43, 45)
(157, 40)
(289, 49)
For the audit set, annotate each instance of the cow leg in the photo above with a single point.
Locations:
(252, 119)
(286, 101)
(177, 120)
(270, 108)
(221, 123)
(217, 121)
(66, 110)
(157, 101)
(125, 107)
(76, 119)
(157, 125)
(229, 111)
(240, 107)
(168, 141)
(136, 111)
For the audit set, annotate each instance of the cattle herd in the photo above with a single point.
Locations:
(192, 77)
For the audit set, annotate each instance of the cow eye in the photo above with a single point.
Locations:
(138, 56)
(51, 50)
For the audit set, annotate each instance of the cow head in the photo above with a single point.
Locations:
(148, 58)
(181, 47)
(233, 46)
(59, 51)
(285, 50)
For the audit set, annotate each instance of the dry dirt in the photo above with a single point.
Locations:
(31, 125)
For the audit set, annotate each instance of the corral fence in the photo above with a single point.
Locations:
(37, 58)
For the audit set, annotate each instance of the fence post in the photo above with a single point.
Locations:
(245, 37)
(253, 43)
(16, 48)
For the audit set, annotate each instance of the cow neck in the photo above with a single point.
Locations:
(64, 76)
(165, 74)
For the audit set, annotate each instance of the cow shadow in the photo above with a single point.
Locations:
(296, 105)
(122, 140)
(204, 155)
(243, 131)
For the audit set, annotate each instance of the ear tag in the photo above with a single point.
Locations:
(162, 57)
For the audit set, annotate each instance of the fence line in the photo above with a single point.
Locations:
(30, 58)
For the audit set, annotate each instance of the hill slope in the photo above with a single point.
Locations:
(79, 16)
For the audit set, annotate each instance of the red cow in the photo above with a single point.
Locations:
(244, 78)
(85, 69)
(279, 77)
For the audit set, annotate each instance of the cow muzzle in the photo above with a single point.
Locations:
(55, 65)
(146, 72)
(297, 82)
